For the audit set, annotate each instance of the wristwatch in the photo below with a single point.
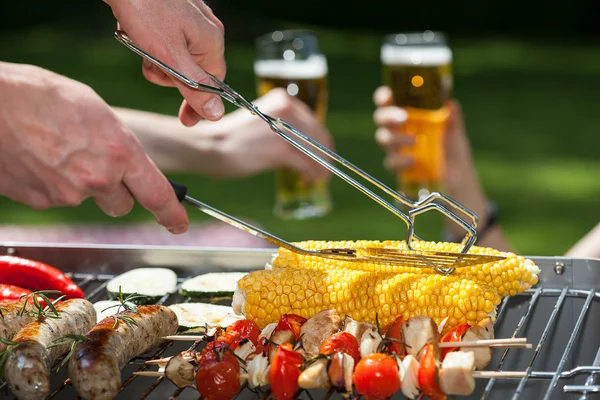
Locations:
(490, 222)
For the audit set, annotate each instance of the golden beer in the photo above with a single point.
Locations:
(290, 60)
(417, 68)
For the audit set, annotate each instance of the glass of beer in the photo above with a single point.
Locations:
(291, 60)
(418, 69)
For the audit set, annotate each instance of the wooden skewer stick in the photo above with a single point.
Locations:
(484, 343)
(514, 346)
(499, 374)
(476, 374)
(187, 338)
(149, 373)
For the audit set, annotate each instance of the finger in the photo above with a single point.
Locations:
(391, 141)
(152, 190)
(390, 116)
(156, 75)
(187, 115)
(115, 203)
(383, 96)
(397, 163)
(207, 105)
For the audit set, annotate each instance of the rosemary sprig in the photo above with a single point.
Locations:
(49, 311)
(64, 341)
(10, 346)
(125, 304)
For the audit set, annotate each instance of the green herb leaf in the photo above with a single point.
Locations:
(10, 346)
(64, 341)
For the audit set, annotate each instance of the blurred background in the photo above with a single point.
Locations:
(529, 85)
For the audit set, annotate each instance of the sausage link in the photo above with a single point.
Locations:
(11, 321)
(95, 367)
(27, 368)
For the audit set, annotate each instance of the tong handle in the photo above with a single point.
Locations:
(181, 193)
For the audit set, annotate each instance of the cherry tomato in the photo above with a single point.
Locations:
(291, 322)
(285, 371)
(394, 331)
(376, 376)
(215, 351)
(218, 380)
(241, 329)
(429, 373)
(342, 342)
(454, 335)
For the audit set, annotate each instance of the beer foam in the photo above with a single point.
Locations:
(415, 55)
(313, 67)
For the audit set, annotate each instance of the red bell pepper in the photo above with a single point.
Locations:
(36, 276)
(11, 293)
(429, 373)
(454, 335)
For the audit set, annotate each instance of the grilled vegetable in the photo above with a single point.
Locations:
(217, 284)
(453, 335)
(265, 295)
(218, 378)
(151, 283)
(194, 315)
(285, 371)
(341, 342)
(240, 330)
(429, 362)
(510, 276)
(376, 377)
(393, 332)
(12, 293)
(35, 275)
(315, 376)
(417, 331)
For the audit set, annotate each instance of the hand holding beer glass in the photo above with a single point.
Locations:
(291, 60)
(417, 68)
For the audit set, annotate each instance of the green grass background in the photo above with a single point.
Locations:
(532, 114)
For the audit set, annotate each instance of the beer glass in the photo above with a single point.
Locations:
(417, 68)
(291, 60)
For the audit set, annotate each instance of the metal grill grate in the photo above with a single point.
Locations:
(556, 358)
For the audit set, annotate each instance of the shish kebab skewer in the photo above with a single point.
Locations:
(457, 368)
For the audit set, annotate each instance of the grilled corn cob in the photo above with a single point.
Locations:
(265, 295)
(510, 276)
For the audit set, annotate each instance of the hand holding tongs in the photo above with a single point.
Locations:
(441, 261)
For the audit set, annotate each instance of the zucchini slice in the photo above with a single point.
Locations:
(152, 283)
(214, 284)
(197, 315)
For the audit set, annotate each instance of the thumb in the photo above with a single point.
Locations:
(206, 105)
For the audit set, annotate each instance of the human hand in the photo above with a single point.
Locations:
(245, 144)
(390, 120)
(60, 143)
(187, 36)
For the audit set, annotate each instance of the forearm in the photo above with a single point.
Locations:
(471, 194)
(172, 146)
(588, 246)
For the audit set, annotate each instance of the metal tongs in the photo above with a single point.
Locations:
(443, 262)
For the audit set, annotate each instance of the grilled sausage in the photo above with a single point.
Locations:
(95, 367)
(27, 368)
(11, 320)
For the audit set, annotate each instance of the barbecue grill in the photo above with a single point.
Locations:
(560, 316)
